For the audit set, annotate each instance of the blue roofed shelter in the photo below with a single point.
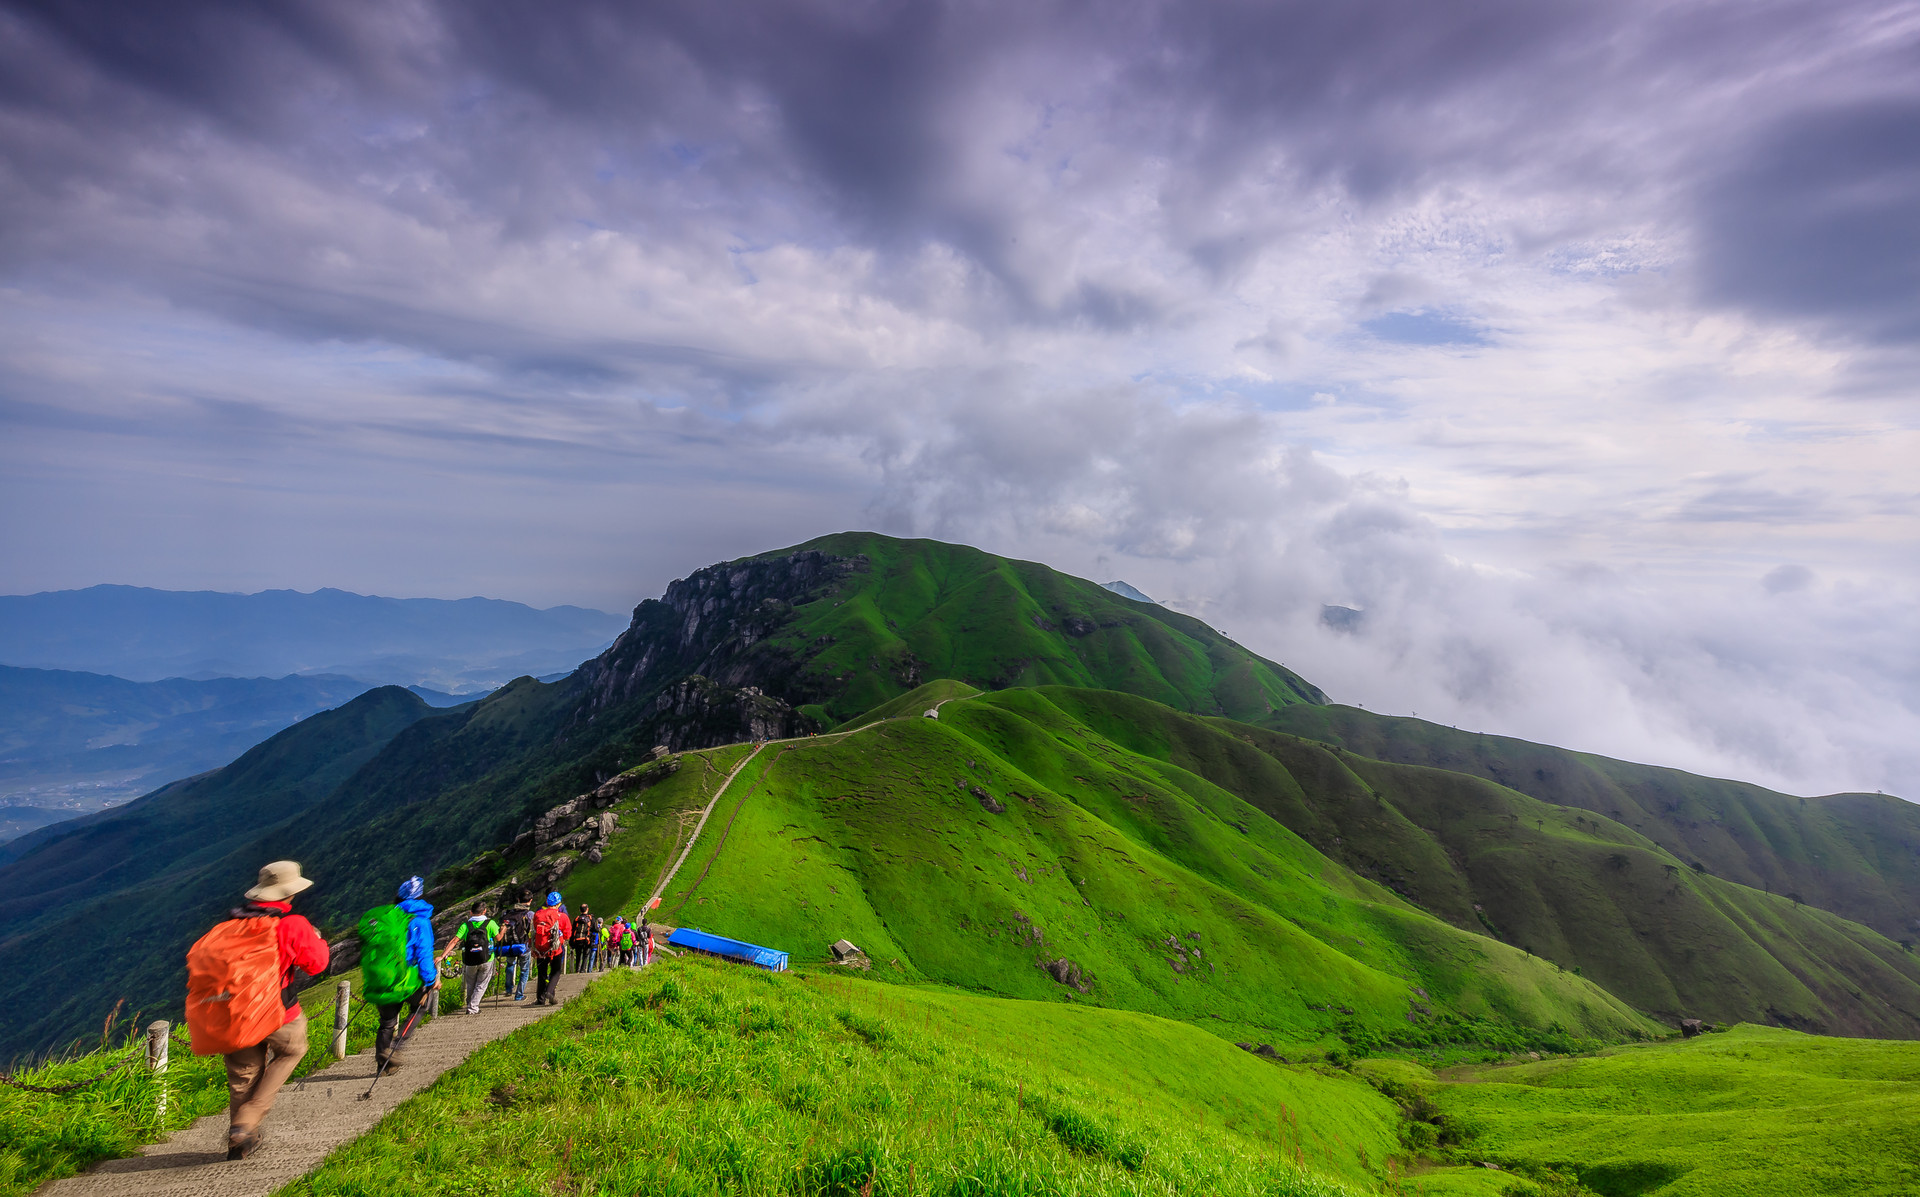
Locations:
(729, 949)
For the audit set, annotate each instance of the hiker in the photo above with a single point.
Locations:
(551, 931)
(398, 968)
(243, 997)
(582, 938)
(619, 941)
(594, 934)
(475, 939)
(513, 946)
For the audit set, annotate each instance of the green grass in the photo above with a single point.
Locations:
(1853, 854)
(921, 610)
(1119, 864)
(1590, 893)
(1752, 1112)
(702, 1078)
(44, 1137)
(914, 703)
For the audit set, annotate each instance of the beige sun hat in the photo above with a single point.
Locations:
(278, 882)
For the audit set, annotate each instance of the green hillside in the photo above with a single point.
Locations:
(1857, 855)
(1755, 1112)
(916, 610)
(1582, 891)
(1083, 872)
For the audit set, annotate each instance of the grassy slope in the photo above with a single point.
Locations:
(697, 1078)
(1102, 857)
(914, 702)
(1593, 894)
(1855, 854)
(924, 609)
(176, 861)
(1754, 1112)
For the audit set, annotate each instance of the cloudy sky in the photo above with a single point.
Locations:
(1573, 343)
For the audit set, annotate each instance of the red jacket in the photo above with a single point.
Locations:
(300, 947)
(545, 919)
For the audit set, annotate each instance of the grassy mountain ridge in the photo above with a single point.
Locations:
(924, 609)
(1103, 876)
(1857, 855)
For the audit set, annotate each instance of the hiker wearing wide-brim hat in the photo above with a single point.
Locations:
(243, 984)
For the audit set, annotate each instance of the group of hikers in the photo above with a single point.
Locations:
(245, 975)
(596, 944)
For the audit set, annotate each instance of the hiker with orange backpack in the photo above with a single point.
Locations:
(243, 986)
(397, 968)
(551, 931)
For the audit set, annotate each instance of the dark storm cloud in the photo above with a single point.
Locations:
(1821, 217)
(824, 124)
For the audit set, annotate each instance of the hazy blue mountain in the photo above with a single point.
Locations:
(462, 646)
(72, 743)
(1125, 590)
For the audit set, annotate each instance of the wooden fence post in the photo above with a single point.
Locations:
(342, 999)
(157, 1062)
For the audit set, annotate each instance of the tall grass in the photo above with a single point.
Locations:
(701, 1078)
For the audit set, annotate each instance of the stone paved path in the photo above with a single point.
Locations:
(311, 1118)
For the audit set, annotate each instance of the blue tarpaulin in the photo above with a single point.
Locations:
(732, 949)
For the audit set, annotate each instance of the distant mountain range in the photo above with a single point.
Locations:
(72, 743)
(461, 646)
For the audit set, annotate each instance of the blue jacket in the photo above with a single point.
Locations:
(420, 939)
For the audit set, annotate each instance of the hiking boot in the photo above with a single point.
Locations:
(241, 1144)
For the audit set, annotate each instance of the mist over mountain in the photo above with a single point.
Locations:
(454, 645)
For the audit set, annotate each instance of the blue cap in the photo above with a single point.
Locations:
(553, 899)
(412, 888)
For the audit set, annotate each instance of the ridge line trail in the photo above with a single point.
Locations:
(312, 1116)
(791, 743)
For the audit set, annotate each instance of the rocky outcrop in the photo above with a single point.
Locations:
(709, 624)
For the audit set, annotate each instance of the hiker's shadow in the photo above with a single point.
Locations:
(162, 1161)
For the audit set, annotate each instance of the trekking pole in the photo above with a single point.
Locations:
(380, 1070)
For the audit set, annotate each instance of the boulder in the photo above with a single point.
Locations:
(1689, 1027)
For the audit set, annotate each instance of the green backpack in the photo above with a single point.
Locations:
(385, 975)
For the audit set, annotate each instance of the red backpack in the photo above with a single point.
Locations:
(233, 985)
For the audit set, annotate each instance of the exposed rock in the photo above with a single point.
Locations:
(1069, 974)
(635, 780)
(993, 805)
(1689, 1027)
(708, 624)
(593, 856)
(1074, 625)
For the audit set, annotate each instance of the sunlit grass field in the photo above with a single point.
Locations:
(702, 1078)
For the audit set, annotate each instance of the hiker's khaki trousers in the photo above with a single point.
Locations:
(255, 1074)
(474, 979)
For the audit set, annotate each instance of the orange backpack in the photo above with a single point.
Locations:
(233, 985)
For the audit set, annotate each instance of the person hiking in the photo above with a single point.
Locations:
(398, 968)
(243, 986)
(513, 947)
(551, 931)
(616, 945)
(582, 938)
(473, 939)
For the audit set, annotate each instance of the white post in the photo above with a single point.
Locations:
(342, 1000)
(157, 1062)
